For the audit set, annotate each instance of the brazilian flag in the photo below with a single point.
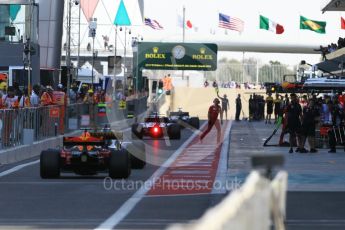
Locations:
(316, 26)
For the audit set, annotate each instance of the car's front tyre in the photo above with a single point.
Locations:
(137, 132)
(194, 122)
(174, 131)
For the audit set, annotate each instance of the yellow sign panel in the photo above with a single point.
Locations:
(122, 104)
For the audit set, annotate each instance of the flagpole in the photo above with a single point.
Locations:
(115, 50)
(183, 31)
(184, 22)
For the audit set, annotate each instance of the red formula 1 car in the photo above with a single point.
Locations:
(93, 152)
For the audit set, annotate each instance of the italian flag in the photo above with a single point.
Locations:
(268, 24)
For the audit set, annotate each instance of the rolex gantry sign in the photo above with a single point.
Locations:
(177, 56)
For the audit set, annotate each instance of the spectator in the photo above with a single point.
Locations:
(47, 96)
(24, 101)
(89, 97)
(10, 100)
(3, 87)
(34, 98)
(73, 94)
(206, 84)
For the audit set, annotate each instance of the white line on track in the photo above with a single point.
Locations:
(222, 164)
(17, 168)
(129, 205)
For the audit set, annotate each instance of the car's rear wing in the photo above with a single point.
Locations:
(108, 135)
(179, 114)
(73, 141)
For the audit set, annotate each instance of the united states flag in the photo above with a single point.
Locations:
(230, 23)
(153, 24)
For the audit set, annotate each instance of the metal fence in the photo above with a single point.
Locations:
(252, 73)
(23, 126)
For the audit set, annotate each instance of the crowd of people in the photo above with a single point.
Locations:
(301, 117)
(331, 47)
(13, 97)
(233, 85)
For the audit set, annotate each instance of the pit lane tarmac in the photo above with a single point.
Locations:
(84, 202)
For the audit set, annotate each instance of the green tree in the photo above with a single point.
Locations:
(273, 72)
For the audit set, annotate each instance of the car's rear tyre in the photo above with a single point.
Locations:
(137, 132)
(174, 131)
(138, 154)
(119, 164)
(194, 122)
(50, 164)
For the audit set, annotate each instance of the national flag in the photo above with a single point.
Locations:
(267, 24)
(153, 24)
(188, 23)
(316, 26)
(231, 23)
(342, 22)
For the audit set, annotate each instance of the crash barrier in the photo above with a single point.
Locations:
(258, 205)
(21, 126)
(24, 126)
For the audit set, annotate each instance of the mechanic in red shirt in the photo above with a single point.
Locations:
(213, 113)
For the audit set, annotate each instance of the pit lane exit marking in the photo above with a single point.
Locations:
(130, 204)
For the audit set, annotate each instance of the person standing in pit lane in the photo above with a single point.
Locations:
(238, 107)
(225, 107)
(277, 108)
(213, 113)
(309, 120)
(269, 102)
(293, 126)
(251, 104)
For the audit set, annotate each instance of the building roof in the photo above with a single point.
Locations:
(334, 5)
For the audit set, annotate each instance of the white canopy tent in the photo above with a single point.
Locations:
(85, 74)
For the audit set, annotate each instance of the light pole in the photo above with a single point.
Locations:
(78, 58)
(92, 33)
(68, 50)
(135, 41)
(27, 62)
(115, 53)
(27, 47)
(124, 60)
